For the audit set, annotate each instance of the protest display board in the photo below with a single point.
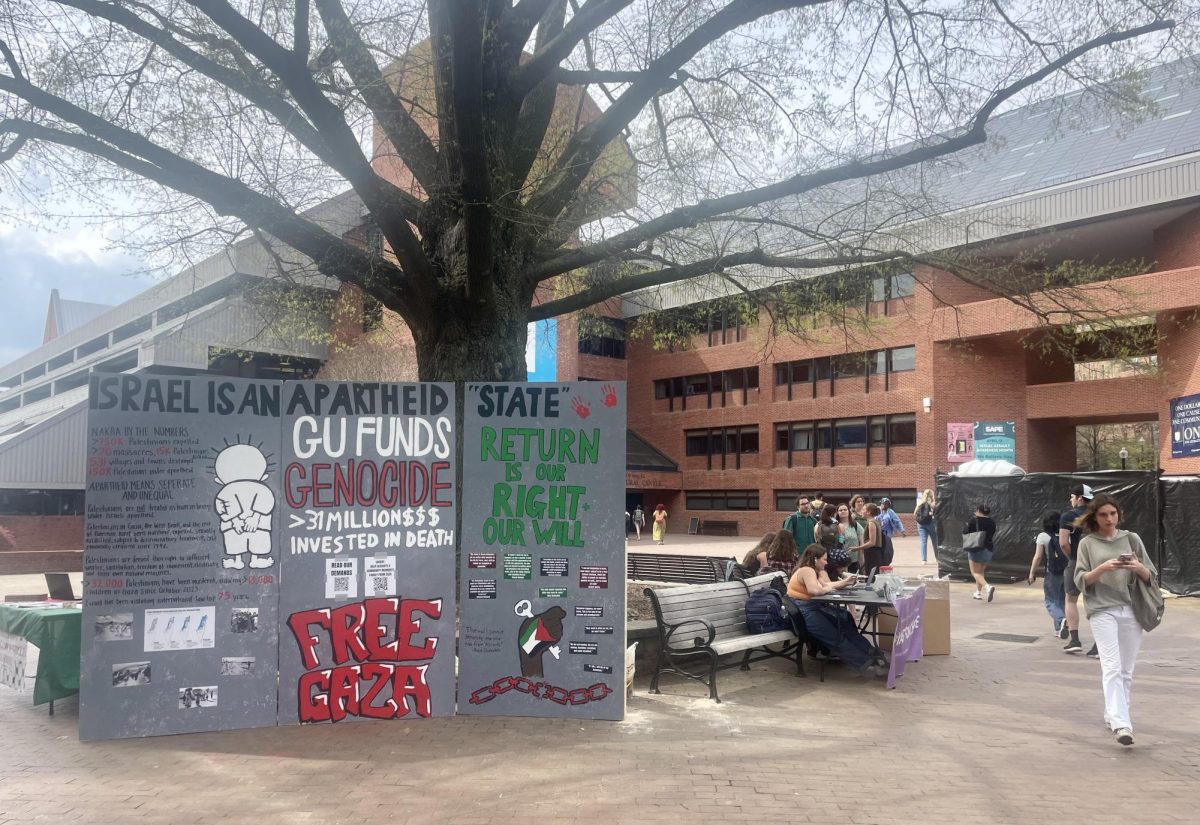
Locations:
(12, 661)
(367, 601)
(542, 571)
(908, 641)
(181, 562)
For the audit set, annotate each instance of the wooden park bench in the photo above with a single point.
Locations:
(700, 623)
(663, 567)
(712, 527)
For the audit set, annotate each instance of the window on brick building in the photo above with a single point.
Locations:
(728, 444)
(41, 502)
(721, 499)
(707, 389)
(903, 359)
(903, 428)
(605, 338)
(851, 433)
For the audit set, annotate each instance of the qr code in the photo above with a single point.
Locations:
(380, 583)
(341, 584)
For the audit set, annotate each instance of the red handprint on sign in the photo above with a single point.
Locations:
(582, 408)
(610, 395)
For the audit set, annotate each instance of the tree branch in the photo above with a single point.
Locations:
(409, 140)
(586, 146)
(682, 272)
(540, 67)
(972, 134)
(294, 74)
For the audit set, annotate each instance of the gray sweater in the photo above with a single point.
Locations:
(1111, 590)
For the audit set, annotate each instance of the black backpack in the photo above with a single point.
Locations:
(1056, 559)
(924, 515)
(765, 612)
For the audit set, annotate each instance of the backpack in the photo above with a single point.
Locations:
(924, 515)
(765, 612)
(1056, 559)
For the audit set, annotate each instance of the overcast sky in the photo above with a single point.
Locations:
(74, 261)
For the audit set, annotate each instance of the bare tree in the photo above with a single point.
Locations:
(497, 145)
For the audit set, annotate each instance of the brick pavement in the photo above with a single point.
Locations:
(997, 733)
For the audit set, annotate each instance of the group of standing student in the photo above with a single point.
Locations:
(1110, 568)
(658, 521)
(859, 530)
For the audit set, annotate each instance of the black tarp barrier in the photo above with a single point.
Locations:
(1019, 503)
(1180, 555)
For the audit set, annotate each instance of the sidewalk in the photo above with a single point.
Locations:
(999, 732)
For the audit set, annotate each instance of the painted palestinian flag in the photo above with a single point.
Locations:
(533, 634)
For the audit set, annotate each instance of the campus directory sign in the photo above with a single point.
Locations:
(182, 555)
(1185, 426)
(542, 562)
(367, 517)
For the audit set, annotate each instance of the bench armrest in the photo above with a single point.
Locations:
(697, 642)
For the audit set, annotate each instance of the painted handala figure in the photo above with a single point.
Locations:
(244, 505)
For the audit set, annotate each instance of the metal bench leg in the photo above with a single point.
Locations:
(800, 659)
(712, 678)
(657, 670)
(746, 660)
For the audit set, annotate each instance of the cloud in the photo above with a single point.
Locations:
(76, 262)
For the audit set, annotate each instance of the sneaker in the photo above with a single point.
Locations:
(1063, 631)
(1073, 646)
(976, 595)
(991, 592)
(1124, 736)
(1093, 653)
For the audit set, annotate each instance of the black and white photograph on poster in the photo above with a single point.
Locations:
(130, 674)
(341, 579)
(114, 627)
(379, 577)
(243, 620)
(179, 628)
(198, 697)
(244, 505)
(237, 665)
(544, 473)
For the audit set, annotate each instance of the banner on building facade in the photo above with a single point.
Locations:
(542, 576)
(367, 517)
(960, 443)
(1185, 426)
(181, 559)
(996, 441)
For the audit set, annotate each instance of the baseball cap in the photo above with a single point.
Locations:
(885, 500)
(1083, 491)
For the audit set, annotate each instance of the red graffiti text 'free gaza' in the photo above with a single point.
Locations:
(380, 685)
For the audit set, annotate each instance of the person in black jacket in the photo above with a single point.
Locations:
(980, 557)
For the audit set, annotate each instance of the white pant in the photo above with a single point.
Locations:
(1118, 637)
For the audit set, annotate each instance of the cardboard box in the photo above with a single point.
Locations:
(935, 622)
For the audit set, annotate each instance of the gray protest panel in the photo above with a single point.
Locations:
(181, 535)
(542, 576)
(368, 546)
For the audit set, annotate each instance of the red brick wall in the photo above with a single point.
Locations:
(1177, 244)
(38, 533)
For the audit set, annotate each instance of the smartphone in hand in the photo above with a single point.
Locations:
(1125, 558)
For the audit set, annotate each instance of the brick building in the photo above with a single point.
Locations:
(751, 418)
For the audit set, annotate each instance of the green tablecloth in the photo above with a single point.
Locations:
(56, 632)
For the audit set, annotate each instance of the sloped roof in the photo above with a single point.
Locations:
(62, 316)
(641, 455)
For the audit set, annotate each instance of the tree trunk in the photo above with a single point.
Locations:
(490, 349)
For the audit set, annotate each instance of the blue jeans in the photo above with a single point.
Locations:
(1055, 594)
(924, 533)
(832, 626)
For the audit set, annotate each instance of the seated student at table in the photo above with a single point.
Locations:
(831, 624)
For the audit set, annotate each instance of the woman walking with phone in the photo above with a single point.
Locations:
(1109, 565)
